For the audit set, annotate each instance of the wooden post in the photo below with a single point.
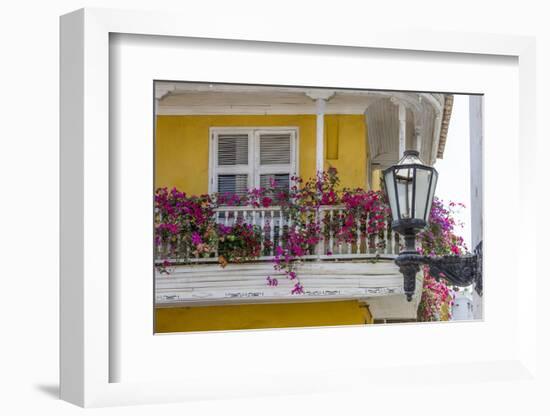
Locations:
(320, 143)
(320, 97)
(402, 129)
(417, 138)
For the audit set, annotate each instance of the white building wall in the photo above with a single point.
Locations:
(463, 308)
(476, 184)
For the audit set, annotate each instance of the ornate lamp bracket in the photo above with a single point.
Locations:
(461, 271)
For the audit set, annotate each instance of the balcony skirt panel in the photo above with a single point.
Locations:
(241, 283)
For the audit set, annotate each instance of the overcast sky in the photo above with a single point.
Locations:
(454, 168)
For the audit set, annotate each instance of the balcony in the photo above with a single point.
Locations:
(360, 267)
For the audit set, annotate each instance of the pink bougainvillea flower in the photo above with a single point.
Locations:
(196, 238)
(272, 281)
(298, 289)
(224, 229)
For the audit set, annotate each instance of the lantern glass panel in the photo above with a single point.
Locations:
(390, 192)
(422, 193)
(431, 196)
(404, 178)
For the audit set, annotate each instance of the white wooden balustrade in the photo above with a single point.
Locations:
(273, 224)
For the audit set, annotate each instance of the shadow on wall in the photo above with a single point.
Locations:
(51, 390)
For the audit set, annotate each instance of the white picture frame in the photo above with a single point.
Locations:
(87, 308)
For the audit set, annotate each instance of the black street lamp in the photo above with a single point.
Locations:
(410, 188)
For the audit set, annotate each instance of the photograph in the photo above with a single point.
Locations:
(295, 206)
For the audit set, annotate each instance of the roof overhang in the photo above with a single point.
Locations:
(428, 114)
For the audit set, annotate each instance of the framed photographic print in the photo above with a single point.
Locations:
(274, 214)
(285, 222)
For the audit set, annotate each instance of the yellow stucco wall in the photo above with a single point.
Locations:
(346, 148)
(182, 147)
(376, 178)
(276, 315)
(181, 151)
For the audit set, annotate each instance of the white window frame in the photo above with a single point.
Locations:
(253, 169)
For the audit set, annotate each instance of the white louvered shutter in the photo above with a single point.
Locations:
(275, 149)
(281, 180)
(233, 184)
(232, 149)
(232, 167)
(275, 158)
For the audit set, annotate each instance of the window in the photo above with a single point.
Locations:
(251, 158)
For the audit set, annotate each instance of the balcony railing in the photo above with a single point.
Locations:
(274, 223)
